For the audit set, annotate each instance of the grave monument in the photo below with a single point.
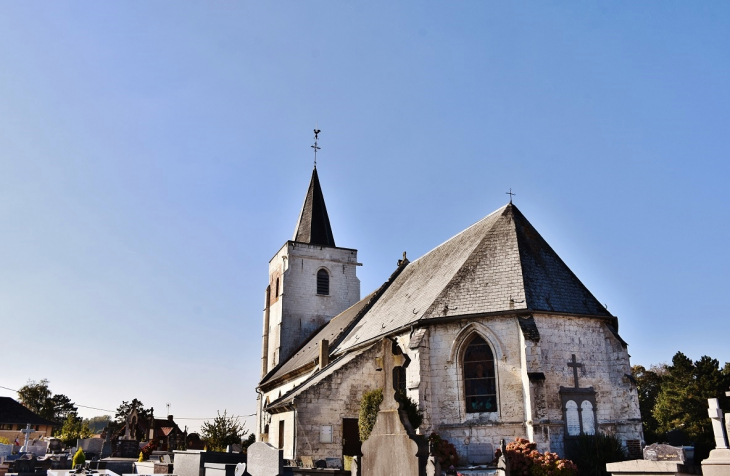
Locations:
(718, 463)
(393, 446)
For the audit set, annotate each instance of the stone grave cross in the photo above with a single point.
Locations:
(575, 366)
(717, 427)
(27, 431)
(390, 360)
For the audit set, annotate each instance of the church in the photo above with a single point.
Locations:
(501, 341)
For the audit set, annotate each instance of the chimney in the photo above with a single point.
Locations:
(324, 353)
(169, 417)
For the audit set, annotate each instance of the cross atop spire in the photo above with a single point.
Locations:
(315, 146)
(510, 193)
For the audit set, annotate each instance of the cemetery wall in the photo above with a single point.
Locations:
(327, 403)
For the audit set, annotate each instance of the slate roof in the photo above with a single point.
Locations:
(313, 226)
(499, 264)
(14, 412)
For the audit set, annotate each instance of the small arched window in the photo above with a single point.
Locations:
(277, 287)
(323, 283)
(480, 390)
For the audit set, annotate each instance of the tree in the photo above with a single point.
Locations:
(648, 385)
(38, 398)
(126, 408)
(73, 429)
(681, 403)
(223, 431)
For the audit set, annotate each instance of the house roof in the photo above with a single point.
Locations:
(499, 264)
(313, 226)
(14, 412)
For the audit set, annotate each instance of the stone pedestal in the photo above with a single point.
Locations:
(641, 467)
(718, 464)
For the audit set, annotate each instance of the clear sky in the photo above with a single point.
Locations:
(154, 157)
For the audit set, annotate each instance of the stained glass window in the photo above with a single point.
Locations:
(479, 379)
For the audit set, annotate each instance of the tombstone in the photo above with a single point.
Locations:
(25, 464)
(128, 448)
(55, 446)
(5, 450)
(91, 446)
(26, 432)
(718, 462)
(333, 463)
(38, 448)
(659, 452)
(480, 453)
(265, 460)
(393, 446)
(240, 469)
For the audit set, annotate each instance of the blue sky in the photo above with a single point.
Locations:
(154, 156)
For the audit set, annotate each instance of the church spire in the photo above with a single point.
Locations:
(313, 226)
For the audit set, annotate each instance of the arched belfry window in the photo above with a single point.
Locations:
(323, 282)
(480, 389)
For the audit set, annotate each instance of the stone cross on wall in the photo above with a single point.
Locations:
(575, 366)
(27, 431)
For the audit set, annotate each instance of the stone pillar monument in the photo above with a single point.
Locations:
(393, 446)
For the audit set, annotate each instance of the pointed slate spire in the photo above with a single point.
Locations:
(313, 226)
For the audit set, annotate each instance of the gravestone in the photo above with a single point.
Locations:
(55, 446)
(26, 432)
(659, 452)
(240, 469)
(25, 464)
(38, 448)
(393, 446)
(264, 460)
(334, 463)
(480, 453)
(6, 450)
(91, 446)
(719, 461)
(128, 448)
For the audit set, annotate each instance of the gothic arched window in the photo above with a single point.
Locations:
(479, 377)
(323, 283)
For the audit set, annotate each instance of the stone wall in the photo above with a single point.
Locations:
(327, 403)
(298, 310)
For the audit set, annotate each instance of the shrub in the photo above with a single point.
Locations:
(369, 407)
(79, 458)
(415, 415)
(592, 452)
(525, 460)
(147, 450)
(444, 451)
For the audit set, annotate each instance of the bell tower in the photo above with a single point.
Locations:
(311, 280)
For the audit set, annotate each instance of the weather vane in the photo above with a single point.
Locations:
(510, 194)
(315, 146)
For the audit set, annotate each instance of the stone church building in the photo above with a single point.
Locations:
(502, 340)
